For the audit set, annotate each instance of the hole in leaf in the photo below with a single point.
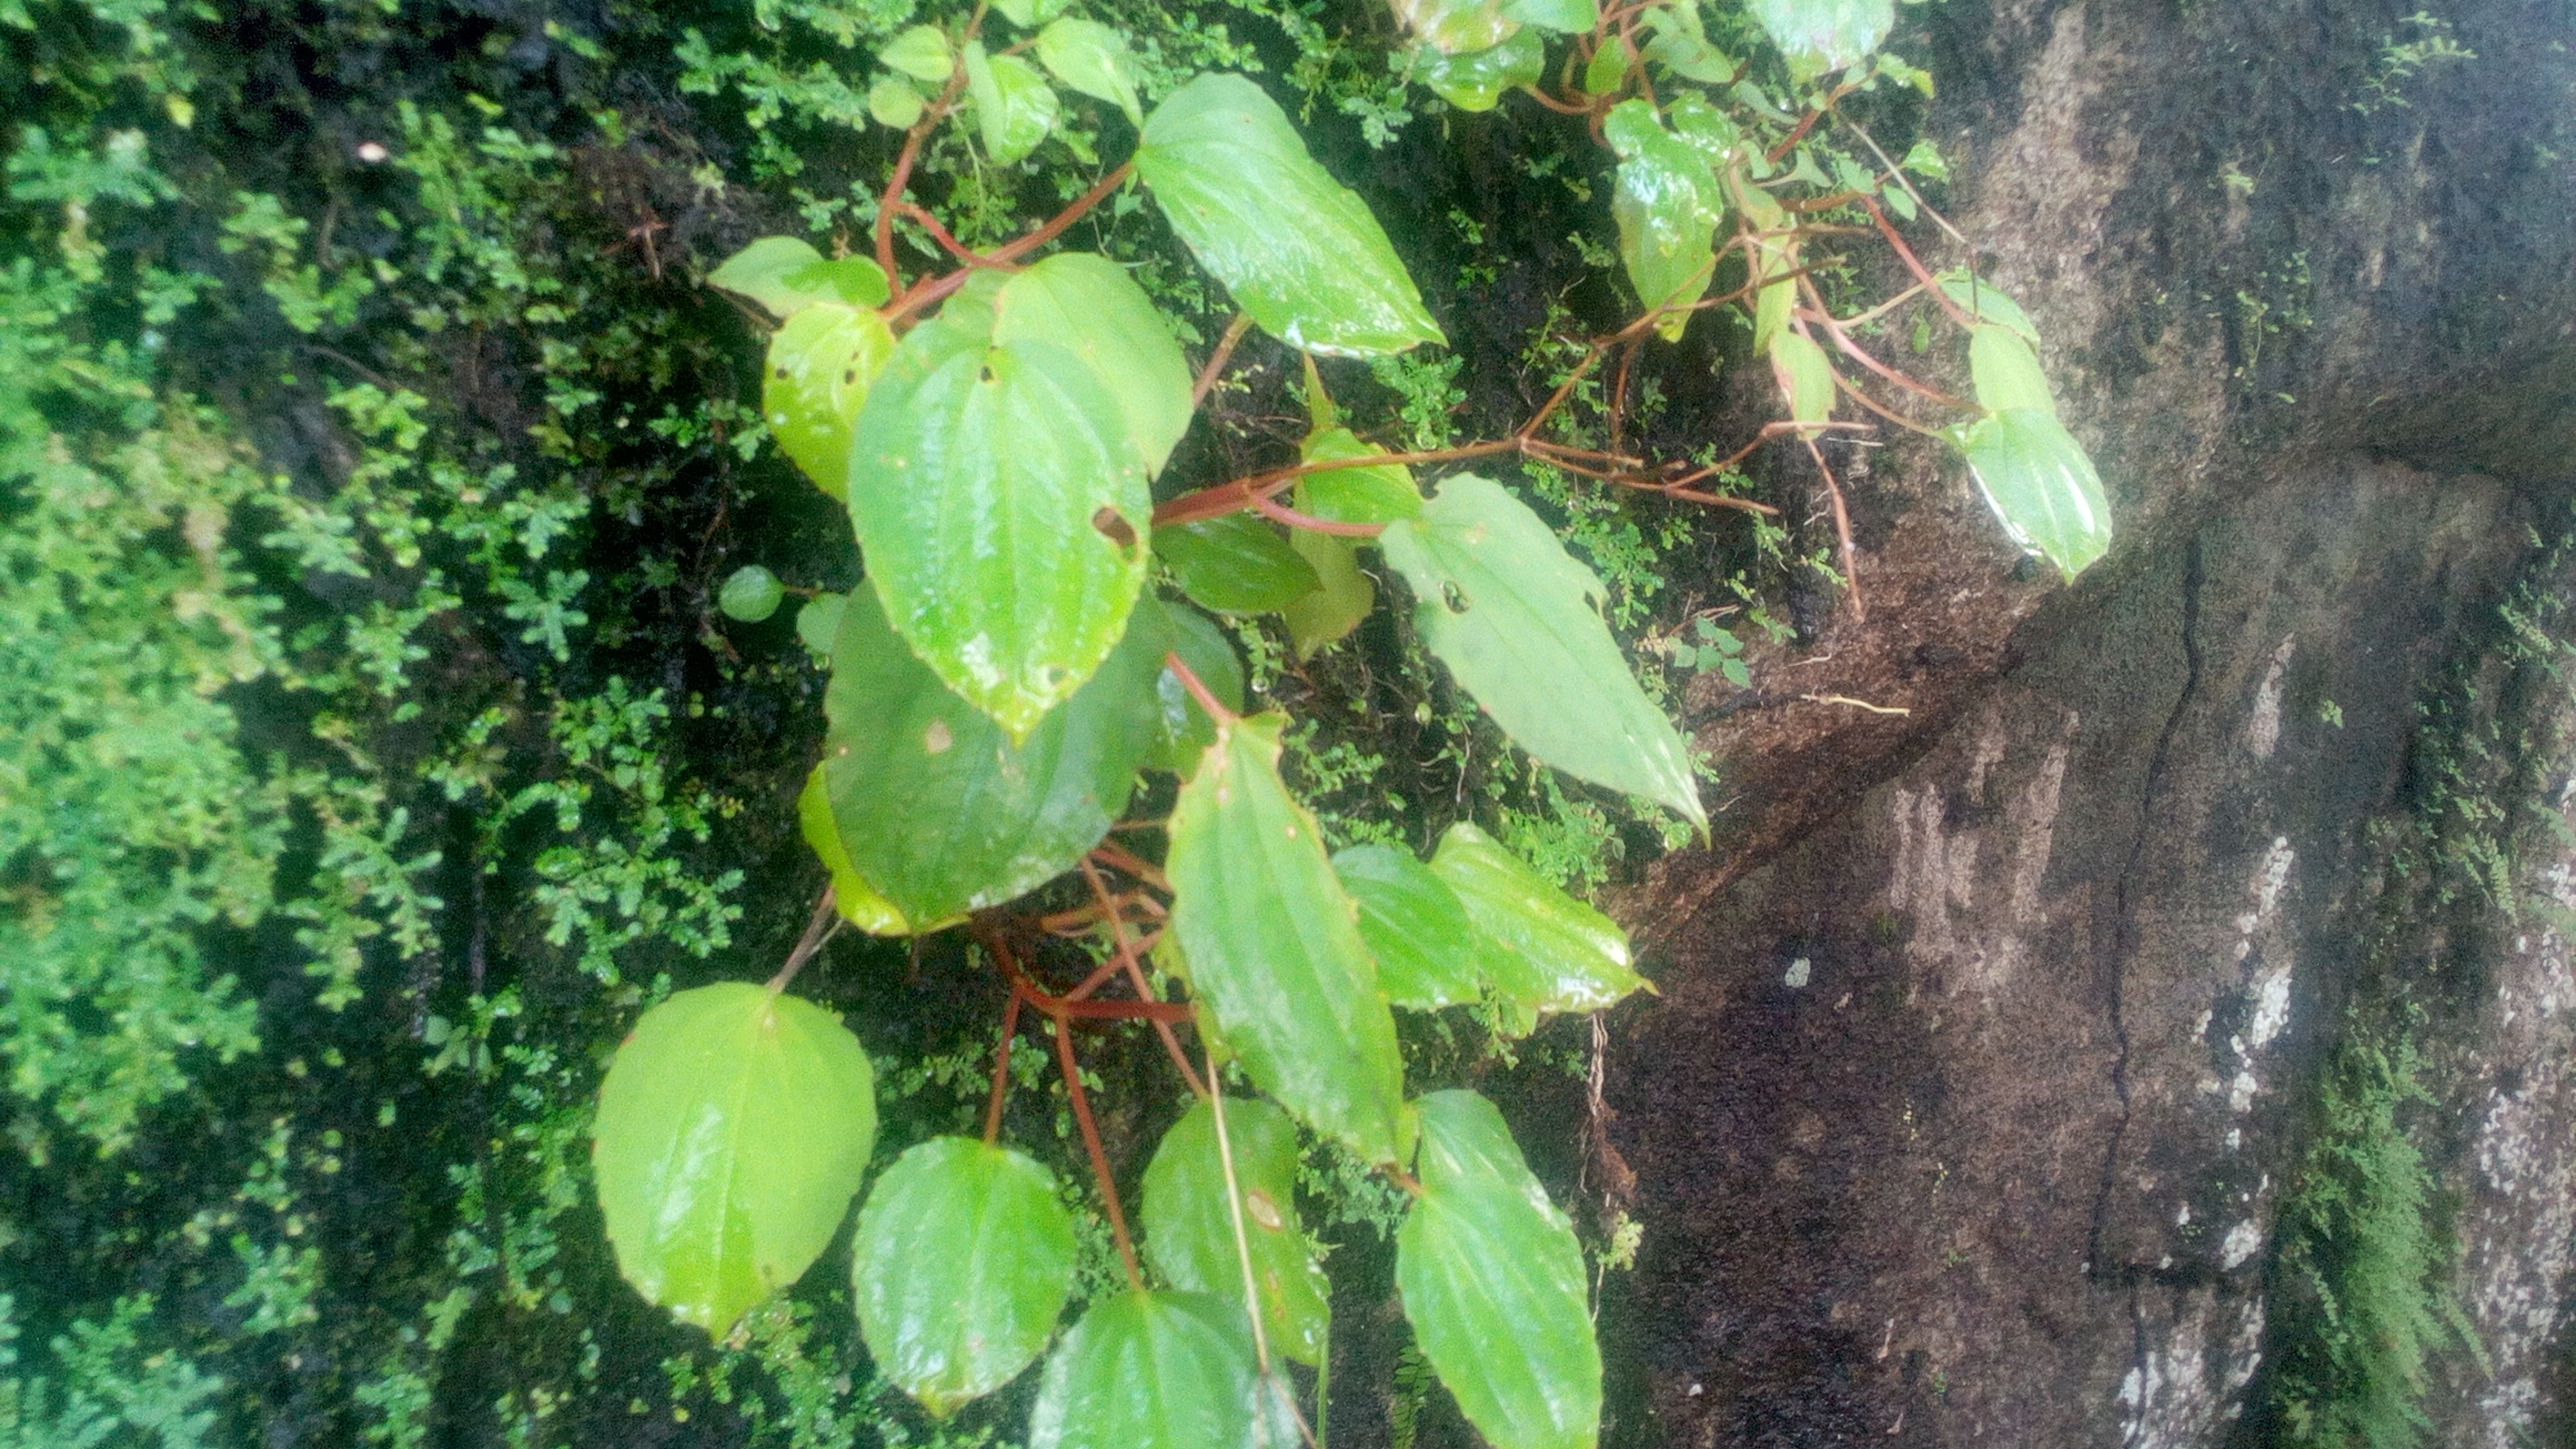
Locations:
(936, 739)
(1118, 530)
(1453, 596)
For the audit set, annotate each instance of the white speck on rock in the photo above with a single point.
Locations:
(1798, 973)
(2241, 1242)
(2263, 731)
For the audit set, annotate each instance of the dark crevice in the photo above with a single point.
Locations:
(2125, 944)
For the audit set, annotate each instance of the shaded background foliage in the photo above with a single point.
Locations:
(369, 457)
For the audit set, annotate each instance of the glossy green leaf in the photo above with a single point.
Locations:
(921, 52)
(751, 594)
(997, 489)
(1153, 1371)
(819, 622)
(1028, 14)
(2007, 372)
(1189, 1234)
(1425, 947)
(1517, 621)
(1087, 305)
(1274, 946)
(786, 276)
(963, 1259)
(1555, 954)
(733, 1128)
(1298, 250)
(1607, 71)
(759, 271)
(1667, 206)
(1014, 105)
(820, 368)
(852, 896)
(1236, 563)
(1379, 493)
(937, 809)
(1566, 17)
(1093, 59)
(1982, 302)
(1681, 46)
(2041, 485)
(1706, 129)
(893, 101)
(1476, 80)
(1186, 730)
(1341, 598)
(1806, 379)
(1821, 36)
(1492, 1279)
(1458, 27)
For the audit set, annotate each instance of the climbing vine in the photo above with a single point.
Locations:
(998, 424)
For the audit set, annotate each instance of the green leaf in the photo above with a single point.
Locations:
(1093, 59)
(818, 622)
(963, 1260)
(733, 1129)
(997, 489)
(1186, 730)
(751, 594)
(937, 809)
(786, 275)
(1517, 621)
(759, 271)
(893, 102)
(852, 896)
(2041, 485)
(1820, 36)
(1476, 80)
(1981, 301)
(1492, 1279)
(1235, 564)
(1707, 130)
(1381, 493)
(1189, 1234)
(1608, 69)
(1298, 250)
(1154, 1371)
(1014, 105)
(820, 368)
(1682, 47)
(1341, 598)
(1087, 305)
(1414, 925)
(2007, 372)
(850, 281)
(1667, 206)
(1028, 14)
(1459, 27)
(922, 53)
(1274, 946)
(1806, 379)
(1557, 954)
(1567, 17)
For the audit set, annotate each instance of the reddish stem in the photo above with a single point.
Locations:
(1206, 382)
(1282, 513)
(955, 248)
(1067, 217)
(1198, 691)
(1002, 1069)
(1091, 1144)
